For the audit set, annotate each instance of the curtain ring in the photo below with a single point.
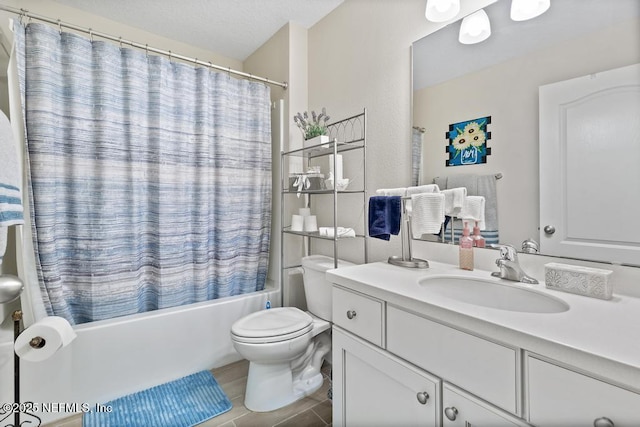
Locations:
(169, 56)
(146, 49)
(120, 40)
(91, 35)
(229, 73)
(59, 27)
(23, 13)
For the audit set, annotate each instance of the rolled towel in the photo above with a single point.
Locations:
(392, 192)
(473, 209)
(429, 188)
(454, 200)
(384, 216)
(342, 231)
(428, 213)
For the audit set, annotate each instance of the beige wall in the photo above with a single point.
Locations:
(508, 92)
(360, 56)
(54, 10)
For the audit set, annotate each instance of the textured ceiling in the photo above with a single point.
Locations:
(232, 28)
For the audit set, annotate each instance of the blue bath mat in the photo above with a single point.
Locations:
(181, 403)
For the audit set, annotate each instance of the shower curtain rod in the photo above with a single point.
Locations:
(60, 24)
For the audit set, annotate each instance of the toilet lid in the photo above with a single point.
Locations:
(275, 323)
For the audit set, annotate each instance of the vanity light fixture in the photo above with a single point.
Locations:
(521, 10)
(475, 28)
(441, 10)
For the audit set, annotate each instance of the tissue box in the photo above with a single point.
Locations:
(591, 282)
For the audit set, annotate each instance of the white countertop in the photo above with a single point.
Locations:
(598, 336)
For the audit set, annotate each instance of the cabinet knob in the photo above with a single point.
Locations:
(602, 422)
(423, 396)
(351, 314)
(549, 229)
(451, 413)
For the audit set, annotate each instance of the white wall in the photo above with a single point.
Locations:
(508, 92)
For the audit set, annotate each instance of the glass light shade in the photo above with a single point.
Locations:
(475, 28)
(521, 10)
(441, 10)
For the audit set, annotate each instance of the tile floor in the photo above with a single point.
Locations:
(312, 411)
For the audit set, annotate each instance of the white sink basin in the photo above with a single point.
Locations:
(492, 294)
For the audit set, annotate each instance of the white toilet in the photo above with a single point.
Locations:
(286, 346)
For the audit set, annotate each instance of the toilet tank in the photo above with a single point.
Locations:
(316, 288)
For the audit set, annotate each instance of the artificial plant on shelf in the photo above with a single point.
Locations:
(313, 126)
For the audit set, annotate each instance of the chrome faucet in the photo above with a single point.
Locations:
(509, 266)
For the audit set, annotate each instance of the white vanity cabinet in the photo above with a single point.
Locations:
(373, 388)
(461, 409)
(402, 385)
(394, 344)
(560, 396)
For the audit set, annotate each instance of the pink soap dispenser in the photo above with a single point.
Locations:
(466, 249)
(478, 240)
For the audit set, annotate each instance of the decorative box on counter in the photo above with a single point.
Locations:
(591, 282)
(306, 181)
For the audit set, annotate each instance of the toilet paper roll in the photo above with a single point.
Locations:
(310, 223)
(304, 211)
(297, 222)
(48, 335)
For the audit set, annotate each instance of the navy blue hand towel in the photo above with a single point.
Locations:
(384, 216)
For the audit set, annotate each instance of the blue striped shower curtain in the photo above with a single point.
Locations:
(150, 181)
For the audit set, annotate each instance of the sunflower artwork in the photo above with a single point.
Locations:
(468, 142)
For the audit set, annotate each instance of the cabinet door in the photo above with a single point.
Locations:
(461, 409)
(559, 396)
(373, 388)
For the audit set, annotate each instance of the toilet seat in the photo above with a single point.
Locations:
(273, 325)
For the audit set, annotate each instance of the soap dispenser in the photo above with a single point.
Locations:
(478, 240)
(466, 249)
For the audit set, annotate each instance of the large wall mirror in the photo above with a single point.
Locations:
(500, 78)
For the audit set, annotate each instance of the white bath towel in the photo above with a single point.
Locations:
(428, 188)
(428, 213)
(342, 231)
(11, 212)
(392, 192)
(473, 210)
(454, 200)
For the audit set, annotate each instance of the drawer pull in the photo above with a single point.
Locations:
(351, 314)
(602, 422)
(451, 413)
(423, 396)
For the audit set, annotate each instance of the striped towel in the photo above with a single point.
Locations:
(11, 212)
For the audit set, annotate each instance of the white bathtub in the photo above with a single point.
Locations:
(112, 358)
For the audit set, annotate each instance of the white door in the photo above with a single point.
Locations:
(590, 166)
(373, 388)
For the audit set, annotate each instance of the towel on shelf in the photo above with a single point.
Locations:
(384, 216)
(454, 200)
(11, 212)
(342, 231)
(428, 188)
(428, 213)
(473, 210)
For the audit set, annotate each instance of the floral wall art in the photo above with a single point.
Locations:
(468, 142)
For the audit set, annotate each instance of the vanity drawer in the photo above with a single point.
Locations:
(482, 367)
(560, 396)
(358, 314)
